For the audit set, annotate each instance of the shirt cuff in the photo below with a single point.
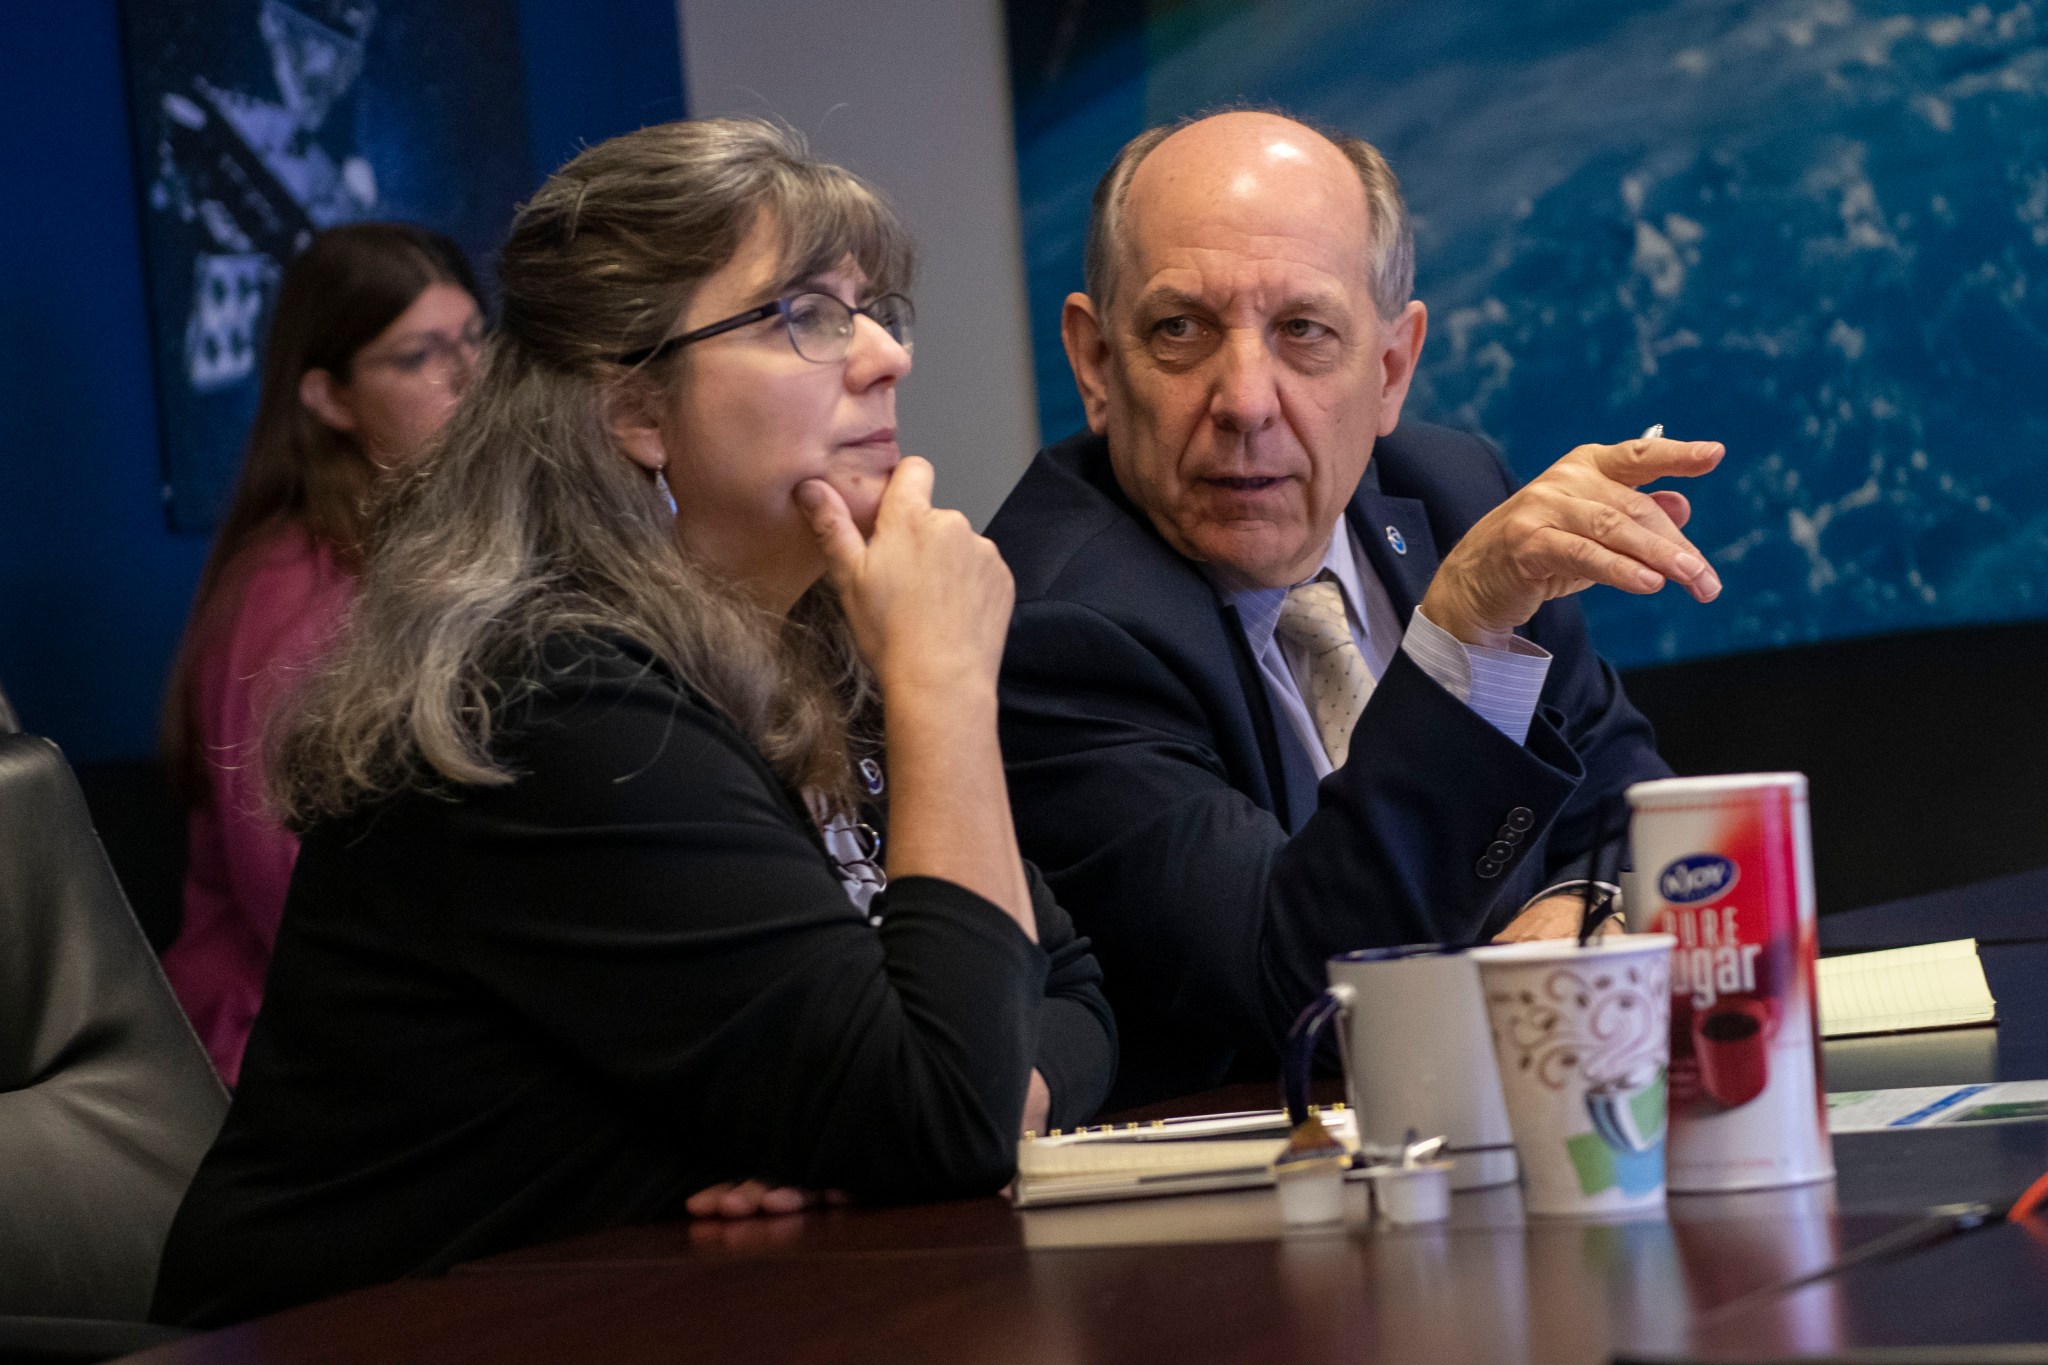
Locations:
(1501, 685)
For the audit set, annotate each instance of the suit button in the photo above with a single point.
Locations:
(1487, 868)
(1508, 834)
(1521, 818)
(1500, 851)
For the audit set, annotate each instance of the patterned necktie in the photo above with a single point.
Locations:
(1313, 621)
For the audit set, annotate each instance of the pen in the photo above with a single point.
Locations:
(1940, 1224)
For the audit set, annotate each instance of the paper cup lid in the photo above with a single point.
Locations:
(1568, 950)
(1403, 953)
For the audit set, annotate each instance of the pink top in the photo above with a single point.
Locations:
(287, 599)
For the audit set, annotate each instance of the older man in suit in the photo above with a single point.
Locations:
(1288, 676)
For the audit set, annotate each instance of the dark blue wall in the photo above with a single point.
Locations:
(596, 70)
(93, 587)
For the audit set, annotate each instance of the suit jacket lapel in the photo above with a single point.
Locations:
(1290, 781)
(1297, 772)
(1395, 534)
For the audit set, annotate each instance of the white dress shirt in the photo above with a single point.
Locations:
(1501, 685)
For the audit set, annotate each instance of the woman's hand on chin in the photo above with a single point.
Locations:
(928, 599)
(860, 480)
(929, 603)
(751, 1198)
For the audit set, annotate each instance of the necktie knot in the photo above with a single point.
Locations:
(1312, 620)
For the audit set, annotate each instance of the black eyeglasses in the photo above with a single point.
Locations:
(819, 326)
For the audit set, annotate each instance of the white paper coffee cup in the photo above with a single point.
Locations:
(1582, 1037)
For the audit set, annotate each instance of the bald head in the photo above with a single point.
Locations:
(1242, 164)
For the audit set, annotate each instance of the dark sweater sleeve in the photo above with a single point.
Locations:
(656, 906)
(1076, 1028)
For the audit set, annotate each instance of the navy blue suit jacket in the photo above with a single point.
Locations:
(1181, 824)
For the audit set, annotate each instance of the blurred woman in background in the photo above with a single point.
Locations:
(375, 334)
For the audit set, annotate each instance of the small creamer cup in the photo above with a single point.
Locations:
(1583, 1039)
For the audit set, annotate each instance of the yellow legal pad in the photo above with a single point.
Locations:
(1899, 990)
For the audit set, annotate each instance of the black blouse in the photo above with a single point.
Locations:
(509, 1014)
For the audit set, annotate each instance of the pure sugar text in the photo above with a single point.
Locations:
(1711, 959)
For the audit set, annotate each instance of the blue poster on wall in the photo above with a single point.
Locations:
(1814, 229)
(258, 122)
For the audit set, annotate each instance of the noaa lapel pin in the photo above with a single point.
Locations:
(1394, 538)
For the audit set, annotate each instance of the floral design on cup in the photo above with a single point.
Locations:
(1604, 1023)
(1601, 1031)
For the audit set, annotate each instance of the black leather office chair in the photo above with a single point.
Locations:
(107, 1101)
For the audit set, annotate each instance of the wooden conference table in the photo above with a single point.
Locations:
(1217, 1277)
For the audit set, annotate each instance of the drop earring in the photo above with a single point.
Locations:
(661, 487)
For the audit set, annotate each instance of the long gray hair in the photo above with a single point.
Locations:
(526, 520)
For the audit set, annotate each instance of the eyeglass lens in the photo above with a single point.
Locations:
(435, 354)
(821, 326)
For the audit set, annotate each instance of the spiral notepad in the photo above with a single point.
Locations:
(1171, 1156)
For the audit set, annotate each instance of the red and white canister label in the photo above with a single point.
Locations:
(1725, 865)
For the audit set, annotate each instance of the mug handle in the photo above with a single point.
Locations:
(1334, 1003)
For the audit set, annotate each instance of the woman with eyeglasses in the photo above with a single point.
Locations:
(375, 333)
(597, 916)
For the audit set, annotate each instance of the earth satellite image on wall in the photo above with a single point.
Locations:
(1816, 230)
(258, 123)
